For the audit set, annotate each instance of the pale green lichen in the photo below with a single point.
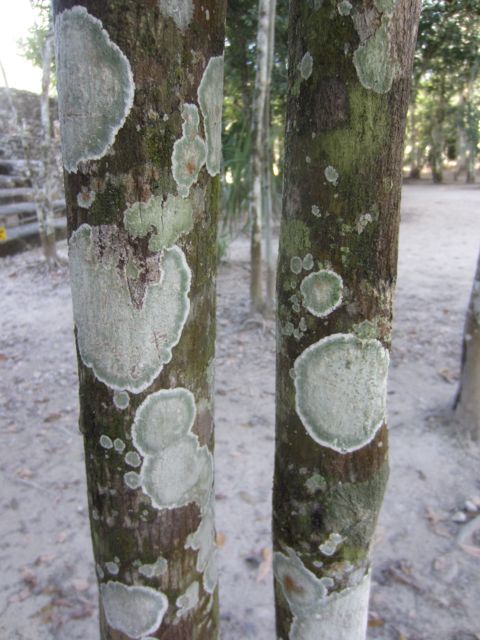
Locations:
(340, 384)
(363, 221)
(322, 292)
(331, 174)
(154, 570)
(344, 8)
(316, 211)
(181, 11)
(306, 66)
(373, 63)
(85, 198)
(119, 445)
(331, 544)
(135, 611)
(188, 600)
(133, 459)
(296, 264)
(166, 220)
(203, 541)
(95, 87)
(132, 480)
(210, 99)
(121, 400)
(385, 6)
(176, 470)
(127, 341)
(189, 152)
(316, 482)
(308, 262)
(112, 568)
(106, 442)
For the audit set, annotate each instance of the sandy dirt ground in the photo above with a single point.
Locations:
(427, 547)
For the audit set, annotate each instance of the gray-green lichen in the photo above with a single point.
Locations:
(176, 470)
(340, 384)
(308, 262)
(133, 459)
(127, 324)
(132, 479)
(95, 87)
(331, 544)
(181, 11)
(344, 8)
(318, 613)
(203, 541)
(322, 292)
(210, 99)
(106, 442)
(331, 174)
(166, 220)
(306, 66)
(385, 6)
(188, 600)
(85, 198)
(296, 264)
(135, 611)
(372, 60)
(121, 400)
(154, 570)
(316, 211)
(189, 152)
(119, 445)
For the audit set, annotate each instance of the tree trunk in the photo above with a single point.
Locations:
(258, 156)
(267, 167)
(349, 78)
(43, 182)
(140, 98)
(415, 167)
(467, 402)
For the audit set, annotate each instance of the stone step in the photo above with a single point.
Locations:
(20, 213)
(18, 194)
(10, 167)
(10, 182)
(26, 236)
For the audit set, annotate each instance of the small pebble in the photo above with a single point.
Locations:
(459, 517)
(470, 506)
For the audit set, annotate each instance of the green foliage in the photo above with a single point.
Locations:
(32, 45)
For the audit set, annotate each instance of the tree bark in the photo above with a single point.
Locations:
(258, 156)
(467, 402)
(140, 96)
(349, 79)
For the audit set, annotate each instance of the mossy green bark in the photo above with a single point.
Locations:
(341, 200)
(167, 66)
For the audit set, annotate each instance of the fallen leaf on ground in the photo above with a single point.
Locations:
(80, 585)
(3, 357)
(25, 474)
(471, 550)
(246, 497)
(374, 619)
(53, 417)
(265, 565)
(221, 539)
(447, 375)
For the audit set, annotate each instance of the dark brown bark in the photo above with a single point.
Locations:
(344, 145)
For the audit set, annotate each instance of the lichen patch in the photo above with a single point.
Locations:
(127, 341)
(210, 99)
(189, 152)
(154, 570)
(121, 400)
(165, 221)
(203, 541)
(135, 611)
(306, 66)
(331, 174)
(181, 11)
(340, 384)
(322, 292)
(344, 8)
(176, 470)
(372, 60)
(188, 600)
(95, 87)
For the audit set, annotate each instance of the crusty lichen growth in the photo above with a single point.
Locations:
(135, 611)
(373, 62)
(306, 66)
(322, 292)
(341, 386)
(181, 11)
(210, 99)
(189, 152)
(128, 349)
(95, 87)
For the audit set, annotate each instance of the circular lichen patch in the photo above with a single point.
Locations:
(322, 292)
(340, 384)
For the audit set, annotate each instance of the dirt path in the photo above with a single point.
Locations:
(425, 584)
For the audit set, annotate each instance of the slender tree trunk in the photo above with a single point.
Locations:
(438, 137)
(349, 78)
(415, 167)
(258, 157)
(267, 167)
(43, 182)
(467, 402)
(140, 97)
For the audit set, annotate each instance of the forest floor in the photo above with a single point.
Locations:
(427, 548)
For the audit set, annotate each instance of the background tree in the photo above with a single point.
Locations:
(349, 78)
(140, 97)
(467, 402)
